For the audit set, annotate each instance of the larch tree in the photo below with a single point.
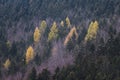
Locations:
(29, 54)
(72, 32)
(62, 23)
(53, 32)
(92, 31)
(36, 35)
(43, 26)
(8, 43)
(7, 64)
(68, 22)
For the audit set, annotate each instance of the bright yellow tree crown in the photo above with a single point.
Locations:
(7, 64)
(92, 31)
(36, 34)
(68, 22)
(29, 54)
(53, 32)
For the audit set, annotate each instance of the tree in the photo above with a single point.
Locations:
(36, 34)
(70, 35)
(32, 74)
(13, 49)
(92, 31)
(67, 22)
(56, 75)
(7, 64)
(8, 43)
(53, 32)
(71, 76)
(43, 26)
(29, 54)
(62, 23)
(45, 75)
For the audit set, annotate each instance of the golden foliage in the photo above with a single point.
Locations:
(67, 22)
(36, 34)
(92, 31)
(62, 23)
(43, 26)
(7, 64)
(53, 32)
(29, 54)
(72, 32)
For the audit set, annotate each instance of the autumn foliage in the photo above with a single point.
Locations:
(36, 34)
(43, 26)
(53, 32)
(92, 31)
(29, 54)
(68, 22)
(7, 64)
(70, 35)
(38, 40)
(62, 23)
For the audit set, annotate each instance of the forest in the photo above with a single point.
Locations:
(59, 40)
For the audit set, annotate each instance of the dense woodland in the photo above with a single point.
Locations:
(59, 40)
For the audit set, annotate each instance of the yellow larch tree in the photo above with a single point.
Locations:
(36, 35)
(43, 26)
(92, 31)
(62, 23)
(7, 64)
(53, 32)
(68, 22)
(72, 32)
(29, 54)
